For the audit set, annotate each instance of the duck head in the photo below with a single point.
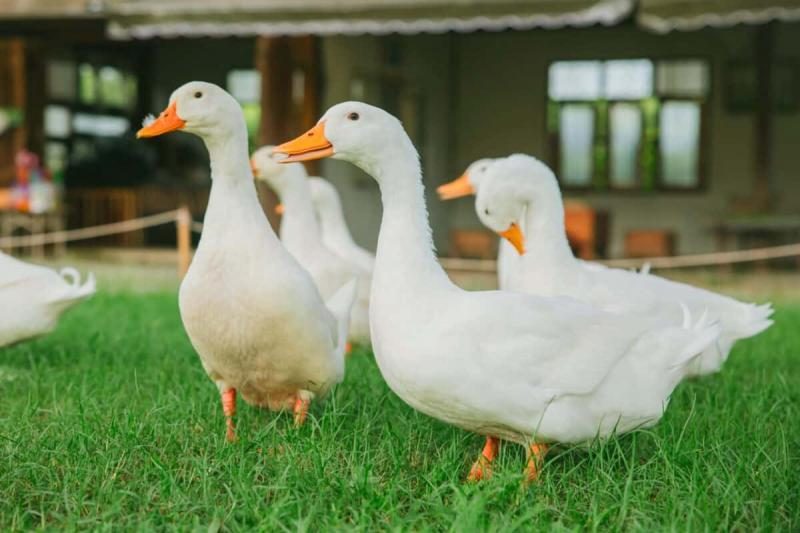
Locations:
(500, 210)
(200, 108)
(519, 191)
(467, 183)
(359, 133)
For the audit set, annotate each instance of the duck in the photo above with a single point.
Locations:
(519, 198)
(33, 298)
(255, 317)
(335, 233)
(466, 185)
(301, 234)
(514, 367)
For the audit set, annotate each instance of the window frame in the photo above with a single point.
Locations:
(554, 146)
(127, 61)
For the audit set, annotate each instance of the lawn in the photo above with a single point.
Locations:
(110, 423)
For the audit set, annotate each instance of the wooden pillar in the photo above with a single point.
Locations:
(282, 60)
(763, 123)
(12, 94)
(287, 108)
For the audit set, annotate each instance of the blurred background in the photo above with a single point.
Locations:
(671, 124)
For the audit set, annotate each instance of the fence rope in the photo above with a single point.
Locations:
(710, 259)
(91, 232)
(474, 265)
(678, 261)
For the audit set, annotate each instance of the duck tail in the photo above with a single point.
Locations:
(755, 320)
(698, 336)
(76, 290)
(340, 305)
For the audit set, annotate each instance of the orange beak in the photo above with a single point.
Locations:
(253, 168)
(514, 235)
(166, 122)
(279, 209)
(311, 145)
(456, 189)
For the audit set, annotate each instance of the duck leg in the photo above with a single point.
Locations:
(300, 410)
(229, 408)
(482, 468)
(536, 454)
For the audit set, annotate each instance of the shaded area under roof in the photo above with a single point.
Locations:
(144, 19)
(40, 9)
(663, 16)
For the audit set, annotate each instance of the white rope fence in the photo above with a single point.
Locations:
(717, 258)
(183, 220)
(181, 217)
(678, 261)
(91, 232)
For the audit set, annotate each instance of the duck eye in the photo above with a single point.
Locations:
(353, 116)
(198, 94)
(486, 211)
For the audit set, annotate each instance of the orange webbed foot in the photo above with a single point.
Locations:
(535, 461)
(300, 410)
(482, 467)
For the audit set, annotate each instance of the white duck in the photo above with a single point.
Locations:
(33, 297)
(521, 192)
(467, 184)
(251, 311)
(301, 235)
(528, 369)
(335, 233)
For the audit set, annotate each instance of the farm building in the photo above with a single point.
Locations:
(676, 145)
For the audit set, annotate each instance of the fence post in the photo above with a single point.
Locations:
(183, 225)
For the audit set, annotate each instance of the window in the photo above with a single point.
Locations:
(627, 124)
(89, 99)
(245, 86)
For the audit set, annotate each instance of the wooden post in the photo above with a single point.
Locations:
(183, 225)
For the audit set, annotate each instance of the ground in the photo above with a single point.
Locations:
(110, 422)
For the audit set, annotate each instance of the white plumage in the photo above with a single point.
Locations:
(33, 297)
(301, 234)
(499, 363)
(254, 315)
(520, 189)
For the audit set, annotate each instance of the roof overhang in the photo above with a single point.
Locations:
(13, 10)
(145, 19)
(663, 16)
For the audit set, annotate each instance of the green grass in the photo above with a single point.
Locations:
(110, 423)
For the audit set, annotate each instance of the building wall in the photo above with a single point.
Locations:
(426, 73)
(502, 83)
(484, 94)
(178, 61)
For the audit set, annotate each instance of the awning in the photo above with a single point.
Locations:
(39, 9)
(663, 16)
(144, 19)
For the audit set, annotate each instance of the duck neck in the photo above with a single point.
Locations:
(233, 200)
(228, 157)
(405, 249)
(299, 227)
(334, 226)
(545, 237)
